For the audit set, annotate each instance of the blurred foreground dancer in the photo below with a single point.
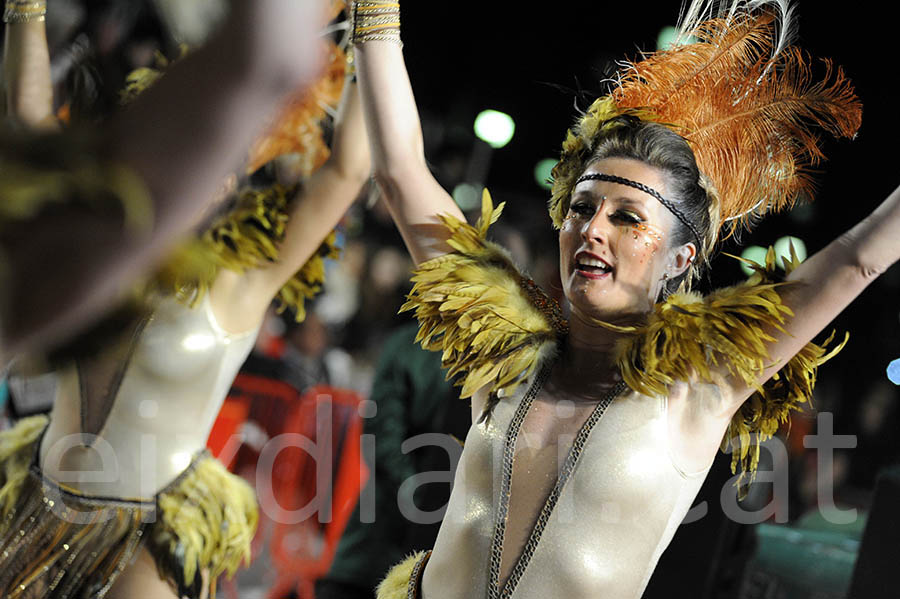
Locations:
(592, 436)
(115, 495)
(82, 214)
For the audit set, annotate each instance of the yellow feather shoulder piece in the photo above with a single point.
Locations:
(493, 324)
(245, 238)
(689, 337)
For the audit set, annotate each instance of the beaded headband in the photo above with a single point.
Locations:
(648, 190)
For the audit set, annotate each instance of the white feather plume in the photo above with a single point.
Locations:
(698, 11)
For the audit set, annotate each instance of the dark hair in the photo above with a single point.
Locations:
(658, 146)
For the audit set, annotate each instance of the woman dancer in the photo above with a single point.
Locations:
(592, 437)
(119, 471)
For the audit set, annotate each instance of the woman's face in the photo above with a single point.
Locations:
(614, 243)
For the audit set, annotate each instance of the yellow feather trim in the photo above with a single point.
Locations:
(396, 584)
(690, 336)
(494, 327)
(247, 237)
(789, 389)
(15, 458)
(492, 324)
(143, 78)
(67, 544)
(199, 529)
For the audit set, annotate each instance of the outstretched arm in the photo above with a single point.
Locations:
(26, 66)
(239, 301)
(182, 137)
(395, 134)
(831, 279)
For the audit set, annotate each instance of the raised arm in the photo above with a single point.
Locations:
(395, 134)
(240, 300)
(832, 278)
(26, 66)
(181, 137)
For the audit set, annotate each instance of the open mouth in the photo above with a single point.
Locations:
(591, 267)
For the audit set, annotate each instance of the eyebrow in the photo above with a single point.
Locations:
(621, 199)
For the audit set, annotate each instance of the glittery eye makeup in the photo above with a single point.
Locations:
(649, 235)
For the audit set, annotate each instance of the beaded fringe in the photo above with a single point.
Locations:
(58, 544)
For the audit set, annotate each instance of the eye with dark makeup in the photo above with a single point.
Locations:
(582, 208)
(626, 216)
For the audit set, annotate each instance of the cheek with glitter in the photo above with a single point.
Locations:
(647, 239)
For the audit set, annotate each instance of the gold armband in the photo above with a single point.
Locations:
(24, 11)
(375, 21)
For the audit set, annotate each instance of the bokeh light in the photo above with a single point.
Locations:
(495, 127)
(753, 253)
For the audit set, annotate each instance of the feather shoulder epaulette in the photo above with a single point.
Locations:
(493, 324)
(245, 238)
(688, 336)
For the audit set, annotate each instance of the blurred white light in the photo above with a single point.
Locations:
(753, 253)
(467, 196)
(783, 249)
(893, 371)
(642, 463)
(181, 460)
(543, 172)
(494, 127)
(198, 342)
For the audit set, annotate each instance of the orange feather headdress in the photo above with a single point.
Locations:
(743, 97)
(298, 128)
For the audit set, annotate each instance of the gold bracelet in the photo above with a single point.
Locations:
(375, 20)
(24, 11)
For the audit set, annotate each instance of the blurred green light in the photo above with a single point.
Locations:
(783, 249)
(753, 253)
(543, 171)
(467, 196)
(666, 38)
(494, 127)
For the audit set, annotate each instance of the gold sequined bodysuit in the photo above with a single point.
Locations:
(599, 534)
(121, 465)
(148, 420)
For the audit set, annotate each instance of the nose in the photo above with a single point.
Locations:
(597, 228)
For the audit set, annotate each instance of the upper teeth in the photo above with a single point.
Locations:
(592, 262)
